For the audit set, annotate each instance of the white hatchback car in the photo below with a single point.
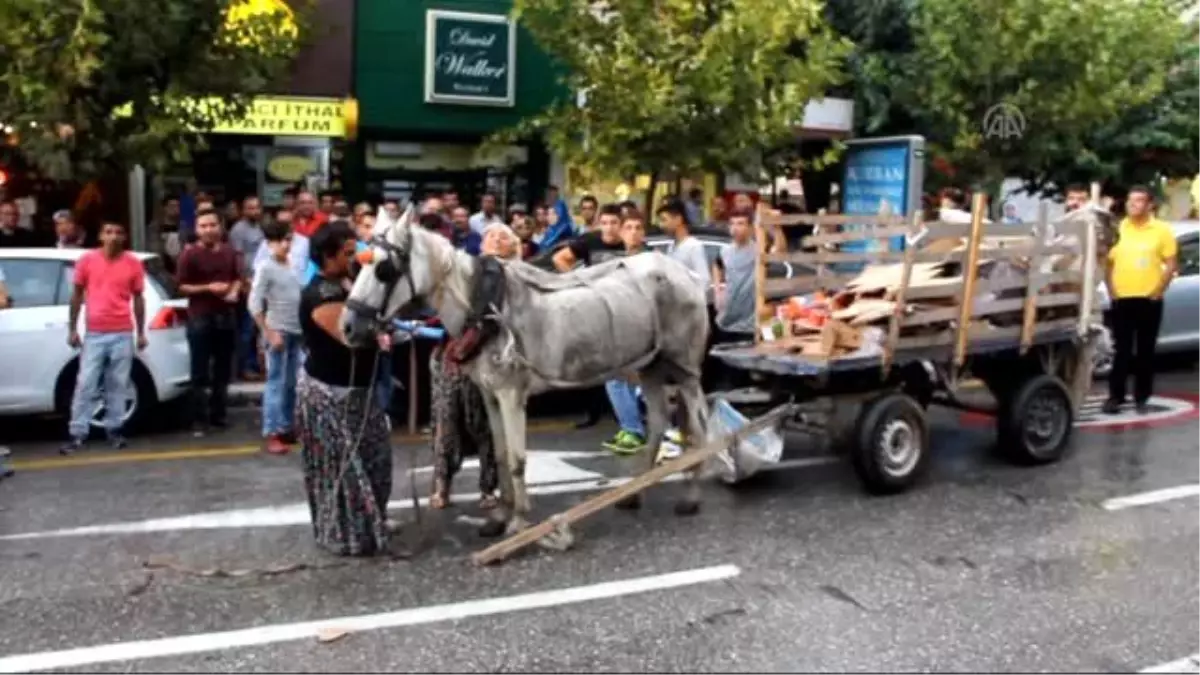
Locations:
(38, 368)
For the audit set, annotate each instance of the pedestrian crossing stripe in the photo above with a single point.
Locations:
(1160, 409)
(1164, 409)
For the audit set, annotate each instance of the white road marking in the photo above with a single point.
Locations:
(1161, 408)
(1153, 497)
(545, 466)
(1190, 664)
(261, 635)
(298, 514)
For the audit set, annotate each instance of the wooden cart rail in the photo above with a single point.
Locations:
(934, 291)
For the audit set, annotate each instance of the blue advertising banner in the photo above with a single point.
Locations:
(882, 169)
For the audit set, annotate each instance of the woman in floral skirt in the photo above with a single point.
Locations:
(459, 416)
(344, 433)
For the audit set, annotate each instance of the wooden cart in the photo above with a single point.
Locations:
(1010, 306)
(1026, 335)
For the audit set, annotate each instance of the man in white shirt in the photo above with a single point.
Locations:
(487, 215)
(685, 248)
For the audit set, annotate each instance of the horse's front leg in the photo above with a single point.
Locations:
(512, 412)
(499, 517)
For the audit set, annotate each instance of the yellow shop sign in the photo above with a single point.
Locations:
(296, 116)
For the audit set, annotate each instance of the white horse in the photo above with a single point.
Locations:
(644, 314)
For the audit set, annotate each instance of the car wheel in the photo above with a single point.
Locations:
(139, 405)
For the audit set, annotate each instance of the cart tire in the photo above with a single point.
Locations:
(892, 444)
(1034, 426)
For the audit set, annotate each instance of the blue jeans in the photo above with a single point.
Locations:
(383, 382)
(279, 394)
(623, 397)
(106, 358)
(247, 352)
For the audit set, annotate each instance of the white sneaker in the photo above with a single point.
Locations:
(668, 451)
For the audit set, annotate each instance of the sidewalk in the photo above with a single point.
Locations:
(245, 394)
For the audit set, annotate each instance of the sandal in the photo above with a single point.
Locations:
(488, 502)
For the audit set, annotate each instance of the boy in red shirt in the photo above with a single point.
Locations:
(111, 279)
(210, 274)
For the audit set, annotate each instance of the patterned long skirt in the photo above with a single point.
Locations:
(459, 421)
(348, 478)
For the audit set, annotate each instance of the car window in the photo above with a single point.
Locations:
(1189, 257)
(32, 283)
(160, 279)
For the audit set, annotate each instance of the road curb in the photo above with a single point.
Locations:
(245, 395)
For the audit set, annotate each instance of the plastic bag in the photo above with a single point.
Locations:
(754, 452)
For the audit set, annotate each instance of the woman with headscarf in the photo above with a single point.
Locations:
(347, 455)
(459, 416)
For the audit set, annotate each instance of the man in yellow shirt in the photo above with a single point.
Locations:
(1141, 264)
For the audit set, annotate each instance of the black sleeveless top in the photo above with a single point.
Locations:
(328, 360)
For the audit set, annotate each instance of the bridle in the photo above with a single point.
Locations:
(396, 265)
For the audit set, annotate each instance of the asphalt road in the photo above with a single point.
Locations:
(184, 555)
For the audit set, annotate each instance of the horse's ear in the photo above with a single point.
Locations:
(406, 218)
(383, 222)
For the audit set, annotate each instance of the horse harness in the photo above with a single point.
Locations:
(389, 271)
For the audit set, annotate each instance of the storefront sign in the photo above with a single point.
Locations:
(878, 170)
(290, 168)
(293, 116)
(470, 59)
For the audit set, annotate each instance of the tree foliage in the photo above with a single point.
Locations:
(665, 86)
(1158, 139)
(881, 31)
(1060, 69)
(89, 86)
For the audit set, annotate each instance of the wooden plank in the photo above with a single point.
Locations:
(982, 310)
(889, 346)
(1089, 273)
(803, 284)
(760, 273)
(1031, 291)
(856, 235)
(979, 203)
(821, 219)
(978, 332)
(687, 460)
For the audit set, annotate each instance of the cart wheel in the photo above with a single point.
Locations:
(1034, 426)
(892, 448)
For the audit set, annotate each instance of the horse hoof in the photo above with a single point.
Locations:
(561, 540)
(687, 508)
(630, 503)
(491, 529)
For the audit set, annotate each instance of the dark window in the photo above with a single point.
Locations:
(1189, 257)
(33, 283)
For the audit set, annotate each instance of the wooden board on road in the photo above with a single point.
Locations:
(687, 460)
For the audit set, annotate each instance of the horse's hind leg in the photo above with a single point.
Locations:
(498, 517)
(654, 391)
(695, 417)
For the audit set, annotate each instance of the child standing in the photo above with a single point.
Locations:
(275, 305)
(622, 394)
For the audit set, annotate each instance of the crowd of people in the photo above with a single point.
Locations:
(266, 289)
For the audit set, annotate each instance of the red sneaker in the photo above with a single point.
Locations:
(276, 446)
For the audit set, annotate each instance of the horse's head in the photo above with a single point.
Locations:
(394, 274)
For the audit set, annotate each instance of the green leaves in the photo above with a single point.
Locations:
(678, 85)
(89, 86)
(1068, 66)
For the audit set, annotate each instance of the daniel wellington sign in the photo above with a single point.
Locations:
(470, 58)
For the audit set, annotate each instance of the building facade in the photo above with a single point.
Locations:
(434, 79)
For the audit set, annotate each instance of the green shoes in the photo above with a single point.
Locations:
(625, 443)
